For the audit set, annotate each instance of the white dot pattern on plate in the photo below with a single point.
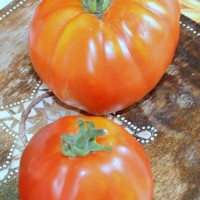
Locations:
(12, 9)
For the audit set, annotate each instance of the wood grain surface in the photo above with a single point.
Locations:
(173, 107)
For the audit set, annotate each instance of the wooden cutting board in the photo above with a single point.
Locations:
(171, 111)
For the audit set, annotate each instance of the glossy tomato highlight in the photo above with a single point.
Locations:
(115, 167)
(103, 63)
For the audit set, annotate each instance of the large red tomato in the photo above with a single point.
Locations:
(104, 63)
(111, 167)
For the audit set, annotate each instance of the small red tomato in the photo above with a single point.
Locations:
(93, 159)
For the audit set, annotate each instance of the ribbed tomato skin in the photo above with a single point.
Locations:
(102, 65)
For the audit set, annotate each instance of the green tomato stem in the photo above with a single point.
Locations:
(96, 6)
(83, 142)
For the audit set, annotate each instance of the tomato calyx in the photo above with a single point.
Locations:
(96, 6)
(84, 141)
